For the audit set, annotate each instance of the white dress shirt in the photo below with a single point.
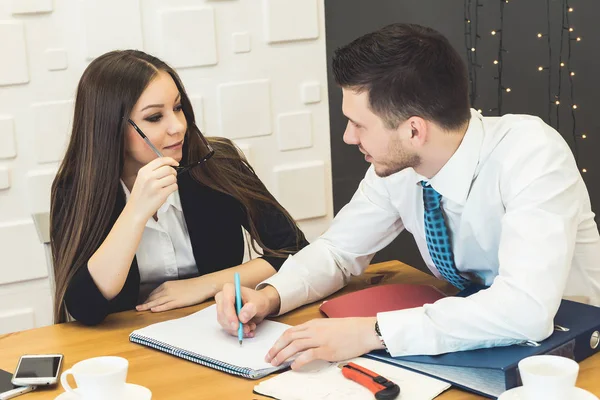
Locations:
(165, 251)
(520, 220)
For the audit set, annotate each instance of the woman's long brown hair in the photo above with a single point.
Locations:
(85, 189)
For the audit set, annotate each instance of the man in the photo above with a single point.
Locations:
(494, 201)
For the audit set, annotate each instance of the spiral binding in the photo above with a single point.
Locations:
(197, 358)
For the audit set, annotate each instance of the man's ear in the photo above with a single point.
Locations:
(418, 130)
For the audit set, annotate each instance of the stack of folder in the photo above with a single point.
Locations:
(488, 372)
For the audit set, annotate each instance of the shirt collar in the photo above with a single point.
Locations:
(454, 180)
(172, 200)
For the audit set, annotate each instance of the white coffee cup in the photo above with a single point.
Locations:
(548, 377)
(98, 378)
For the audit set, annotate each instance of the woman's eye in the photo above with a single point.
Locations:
(178, 108)
(154, 118)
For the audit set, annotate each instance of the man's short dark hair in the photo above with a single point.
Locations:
(408, 70)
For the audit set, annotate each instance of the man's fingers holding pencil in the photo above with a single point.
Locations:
(227, 316)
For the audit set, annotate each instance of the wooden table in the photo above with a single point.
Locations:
(172, 378)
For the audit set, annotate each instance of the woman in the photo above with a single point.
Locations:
(141, 214)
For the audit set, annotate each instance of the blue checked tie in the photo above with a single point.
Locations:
(438, 239)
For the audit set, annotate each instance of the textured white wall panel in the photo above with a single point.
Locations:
(198, 106)
(39, 184)
(8, 144)
(111, 25)
(18, 265)
(17, 320)
(311, 92)
(13, 51)
(241, 42)
(4, 178)
(245, 109)
(52, 129)
(290, 20)
(294, 130)
(189, 37)
(56, 59)
(31, 6)
(301, 189)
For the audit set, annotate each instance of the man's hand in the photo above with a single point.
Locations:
(332, 339)
(258, 304)
(176, 294)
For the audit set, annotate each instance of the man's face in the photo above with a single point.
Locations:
(387, 149)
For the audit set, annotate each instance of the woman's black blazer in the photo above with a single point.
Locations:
(214, 221)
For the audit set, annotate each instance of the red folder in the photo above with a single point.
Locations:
(369, 302)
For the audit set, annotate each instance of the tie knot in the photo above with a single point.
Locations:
(431, 198)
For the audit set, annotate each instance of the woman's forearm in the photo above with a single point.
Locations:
(251, 274)
(110, 264)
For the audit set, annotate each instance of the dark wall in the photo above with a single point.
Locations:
(345, 20)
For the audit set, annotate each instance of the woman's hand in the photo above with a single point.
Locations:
(177, 294)
(155, 181)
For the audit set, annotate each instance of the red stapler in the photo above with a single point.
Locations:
(382, 388)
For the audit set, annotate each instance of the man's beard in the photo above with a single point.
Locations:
(399, 160)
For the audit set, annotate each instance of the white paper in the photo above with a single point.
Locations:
(201, 333)
(324, 381)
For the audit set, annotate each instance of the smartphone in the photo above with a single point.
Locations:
(8, 390)
(37, 369)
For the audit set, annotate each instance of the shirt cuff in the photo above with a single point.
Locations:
(292, 293)
(408, 332)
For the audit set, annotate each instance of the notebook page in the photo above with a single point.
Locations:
(200, 333)
(325, 382)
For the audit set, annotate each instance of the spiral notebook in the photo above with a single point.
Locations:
(199, 338)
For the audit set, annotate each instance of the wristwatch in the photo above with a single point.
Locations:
(378, 333)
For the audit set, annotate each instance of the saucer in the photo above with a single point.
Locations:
(518, 394)
(132, 392)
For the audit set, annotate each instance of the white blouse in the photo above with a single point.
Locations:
(165, 250)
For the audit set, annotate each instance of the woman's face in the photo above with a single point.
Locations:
(159, 115)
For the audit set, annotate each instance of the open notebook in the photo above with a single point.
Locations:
(199, 338)
(324, 381)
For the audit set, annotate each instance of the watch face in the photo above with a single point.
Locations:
(378, 332)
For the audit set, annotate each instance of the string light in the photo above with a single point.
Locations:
(554, 68)
(499, 64)
(567, 10)
(549, 67)
(471, 17)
